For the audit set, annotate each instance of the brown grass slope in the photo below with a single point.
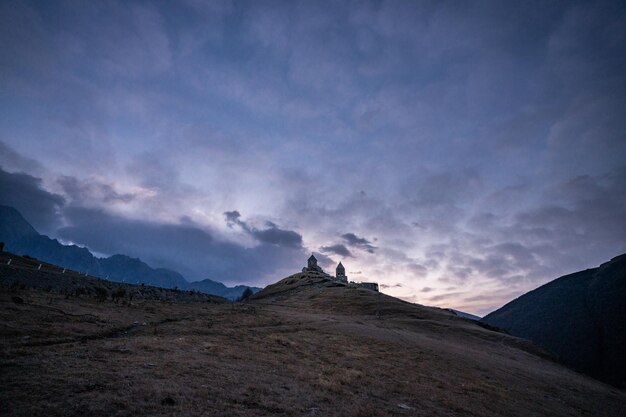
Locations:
(305, 346)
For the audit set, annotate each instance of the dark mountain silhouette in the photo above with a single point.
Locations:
(214, 287)
(21, 238)
(580, 317)
(133, 270)
(36, 275)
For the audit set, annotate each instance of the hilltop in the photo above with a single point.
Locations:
(306, 345)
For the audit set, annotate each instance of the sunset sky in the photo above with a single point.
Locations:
(458, 153)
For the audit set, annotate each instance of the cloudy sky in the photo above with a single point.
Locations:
(459, 153)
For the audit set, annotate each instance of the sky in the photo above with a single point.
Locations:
(459, 153)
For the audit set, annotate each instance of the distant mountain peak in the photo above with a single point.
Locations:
(13, 225)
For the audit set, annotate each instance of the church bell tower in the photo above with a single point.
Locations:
(340, 273)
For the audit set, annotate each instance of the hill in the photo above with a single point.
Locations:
(580, 317)
(304, 346)
(21, 238)
(26, 273)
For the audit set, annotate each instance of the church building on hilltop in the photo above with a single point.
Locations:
(340, 274)
(312, 265)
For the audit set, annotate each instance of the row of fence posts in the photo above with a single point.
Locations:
(40, 265)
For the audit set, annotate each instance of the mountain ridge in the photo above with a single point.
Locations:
(20, 237)
(580, 317)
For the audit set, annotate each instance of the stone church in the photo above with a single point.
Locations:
(312, 265)
(340, 274)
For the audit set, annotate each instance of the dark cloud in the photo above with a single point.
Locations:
(26, 194)
(337, 249)
(86, 191)
(15, 162)
(187, 248)
(277, 236)
(232, 218)
(358, 242)
(272, 234)
(426, 289)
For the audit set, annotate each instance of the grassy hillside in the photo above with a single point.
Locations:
(303, 347)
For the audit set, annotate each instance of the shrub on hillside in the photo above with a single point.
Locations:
(119, 294)
(101, 293)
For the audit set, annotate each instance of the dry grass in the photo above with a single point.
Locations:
(313, 350)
